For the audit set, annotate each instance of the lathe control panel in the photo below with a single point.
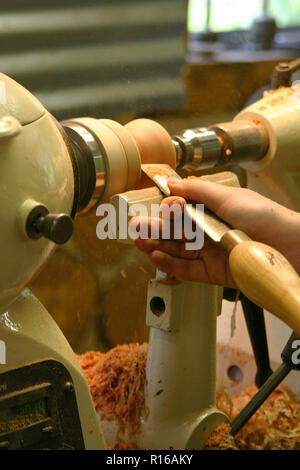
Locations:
(38, 408)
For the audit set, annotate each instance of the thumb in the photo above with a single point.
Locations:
(212, 195)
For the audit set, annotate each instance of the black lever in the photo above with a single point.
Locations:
(255, 322)
(289, 363)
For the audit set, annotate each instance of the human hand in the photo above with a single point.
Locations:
(260, 218)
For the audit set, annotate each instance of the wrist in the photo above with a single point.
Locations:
(292, 239)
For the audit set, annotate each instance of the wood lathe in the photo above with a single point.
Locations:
(50, 172)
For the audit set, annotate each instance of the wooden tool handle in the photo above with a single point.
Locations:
(266, 277)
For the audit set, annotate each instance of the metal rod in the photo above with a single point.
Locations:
(264, 392)
(255, 320)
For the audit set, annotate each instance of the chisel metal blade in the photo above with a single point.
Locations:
(212, 226)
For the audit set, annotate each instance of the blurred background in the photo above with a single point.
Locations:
(183, 63)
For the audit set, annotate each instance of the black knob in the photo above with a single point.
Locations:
(55, 227)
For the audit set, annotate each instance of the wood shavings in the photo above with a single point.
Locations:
(117, 380)
(117, 385)
(221, 438)
(88, 362)
(274, 426)
(123, 273)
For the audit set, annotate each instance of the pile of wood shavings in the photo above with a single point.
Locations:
(117, 380)
(275, 425)
(221, 438)
(89, 361)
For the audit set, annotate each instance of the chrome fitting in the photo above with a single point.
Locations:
(197, 149)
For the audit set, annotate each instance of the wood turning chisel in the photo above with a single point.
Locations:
(262, 273)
